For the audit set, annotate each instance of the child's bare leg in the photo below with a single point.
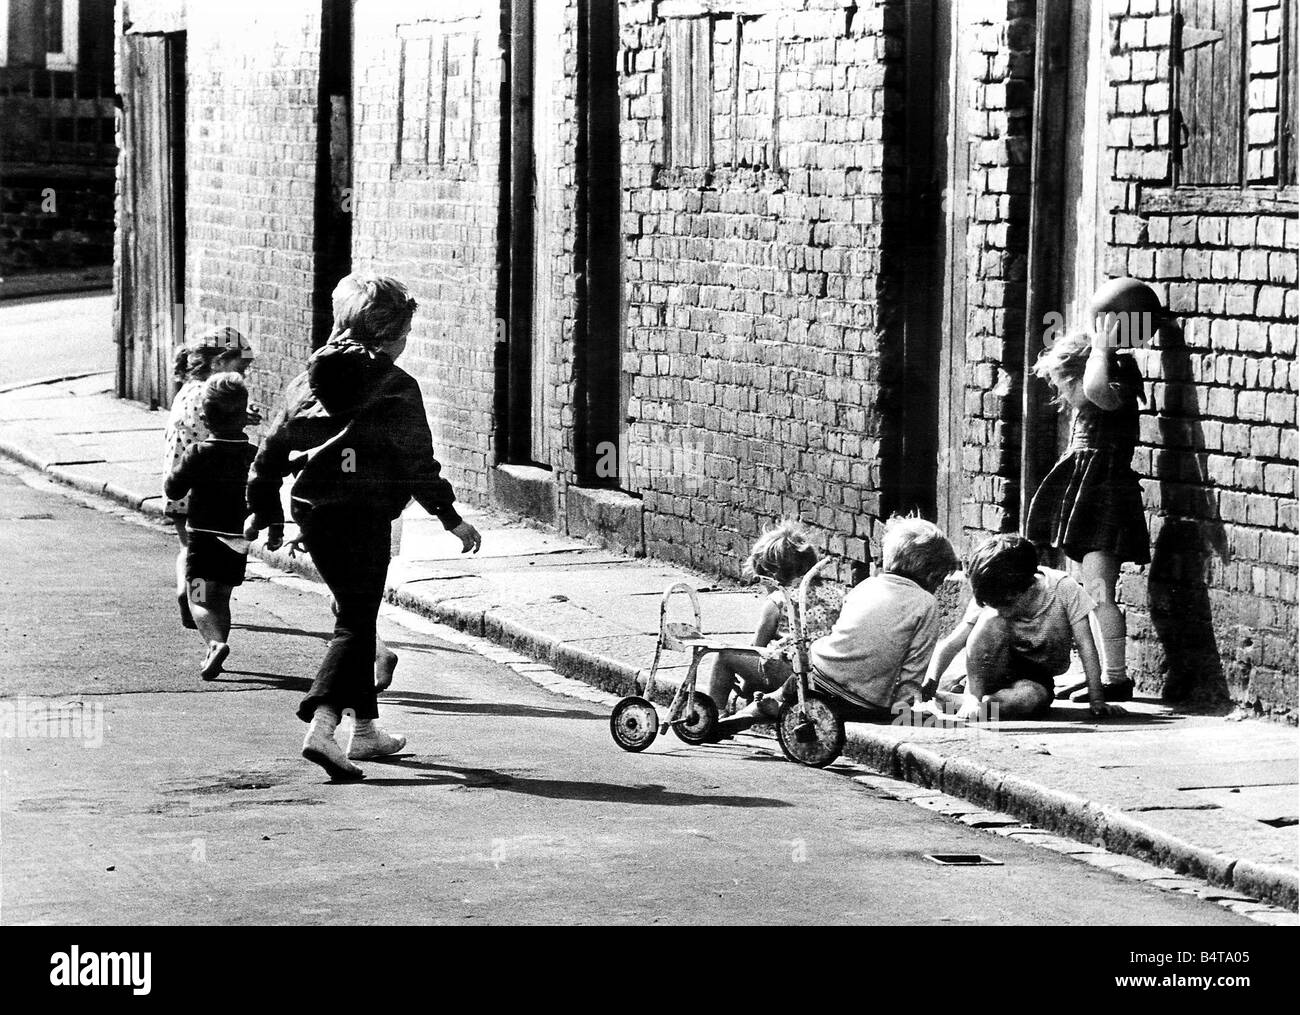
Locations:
(1020, 700)
(1100, 573)
(182, 591)
(385, 664)
(729, 667)
(988, 657)
(210, 604)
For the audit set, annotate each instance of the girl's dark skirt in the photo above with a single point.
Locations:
(1091, 501)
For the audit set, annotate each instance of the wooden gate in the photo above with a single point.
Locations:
(150, 319)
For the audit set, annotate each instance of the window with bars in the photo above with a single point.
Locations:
(1234, 78)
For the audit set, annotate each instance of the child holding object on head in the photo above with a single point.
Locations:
(212, 475)
(1017, 632)
(1090, 503)
(876, 653)
(783, 554)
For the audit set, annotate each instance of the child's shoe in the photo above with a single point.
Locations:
(1111, 690)
(211, 667)
(369, 741)
(384, 667)
(187, 618)
(321, 748)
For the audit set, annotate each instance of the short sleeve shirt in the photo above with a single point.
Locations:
(1044, 638)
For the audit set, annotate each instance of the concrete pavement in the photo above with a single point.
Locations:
(132, 792)
(1203, 795)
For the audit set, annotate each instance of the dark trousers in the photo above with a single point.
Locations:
(350, 549)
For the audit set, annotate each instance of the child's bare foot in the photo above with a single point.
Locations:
(187, 618)
(385, 664)
(217, 653)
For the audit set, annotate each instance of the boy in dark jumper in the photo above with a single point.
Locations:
(214, 473)
(356, 433)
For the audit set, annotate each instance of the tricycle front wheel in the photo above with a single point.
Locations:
(812, 735)
(634, 724)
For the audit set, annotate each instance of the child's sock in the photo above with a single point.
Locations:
(369, 741)
(1114, 663)
(324, 721)
(320, 746)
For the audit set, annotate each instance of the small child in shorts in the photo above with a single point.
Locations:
(214, 475)
(784, 554)
(1018, 632)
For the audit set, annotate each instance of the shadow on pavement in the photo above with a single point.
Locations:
(280, 681)
(559, 789)
(448, 705)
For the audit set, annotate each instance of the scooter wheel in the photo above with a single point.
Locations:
(813, 735)
(634, 724)
(699, 721)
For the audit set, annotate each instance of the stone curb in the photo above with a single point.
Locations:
(1053, 810)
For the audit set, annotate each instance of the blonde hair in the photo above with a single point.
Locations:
(782, 553)
(225, 396)
(373, 309)
(917, 549)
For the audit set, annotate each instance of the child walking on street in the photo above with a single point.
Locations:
(785, 555)
(217, 350)
(1090, 503)
(213, 474)
(356, 432)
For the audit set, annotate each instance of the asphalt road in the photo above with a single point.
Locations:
(191, 804)
(43, 337)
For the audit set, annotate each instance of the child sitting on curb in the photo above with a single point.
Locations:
(876, 653)
(785, 555)
(1017, 633)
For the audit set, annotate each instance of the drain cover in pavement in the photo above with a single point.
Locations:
(963, 860)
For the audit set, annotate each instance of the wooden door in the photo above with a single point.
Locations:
(1084, 168)
(953, 39)
(548, 85)
(150, 321)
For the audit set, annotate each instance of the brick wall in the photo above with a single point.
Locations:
(999, 119)
(430, 216)
(752, 288)
(1214, 615)
(251, 167)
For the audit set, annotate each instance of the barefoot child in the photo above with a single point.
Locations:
(1017, 632)
(876, 653)
(216, 350)
(356, 432)
(213, 474)
(785, 555)
(1090, 503)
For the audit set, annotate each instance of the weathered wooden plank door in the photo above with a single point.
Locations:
(953, 39)
(1210, 73)
(151, 290)
(548, 84)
